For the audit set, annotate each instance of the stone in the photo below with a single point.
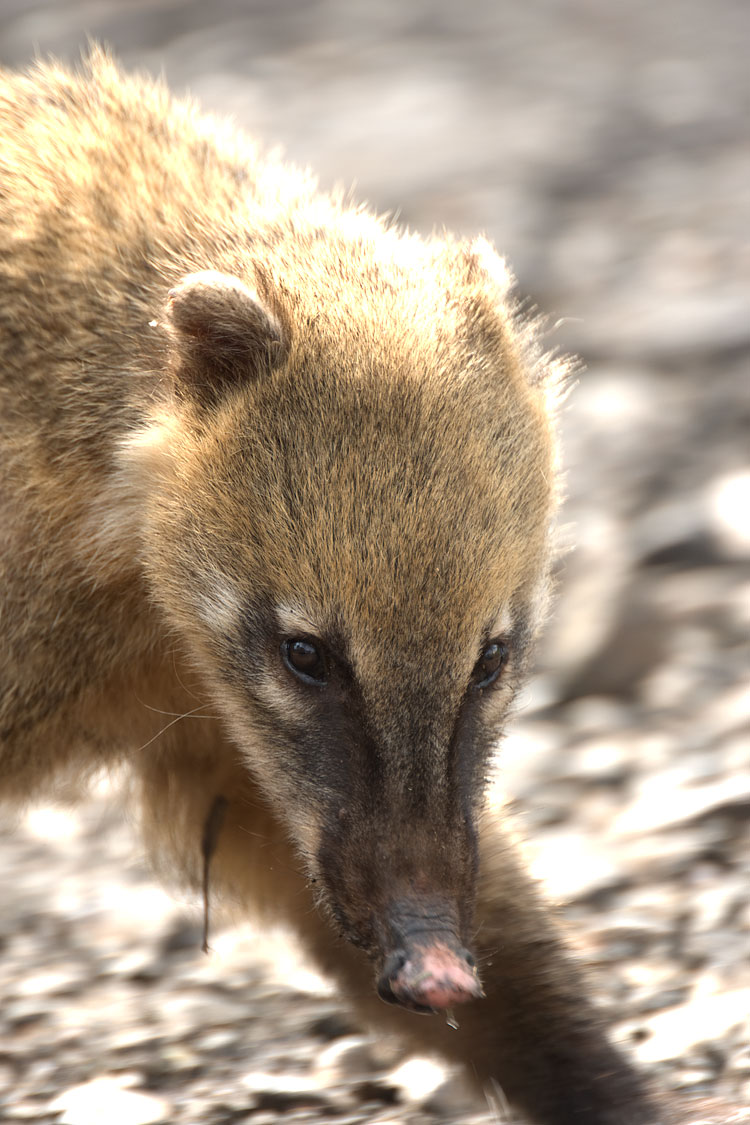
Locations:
(418, 1078)
(106, 1100)
(673, 1033)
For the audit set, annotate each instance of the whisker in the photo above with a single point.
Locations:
(176, 714)
(159, 733)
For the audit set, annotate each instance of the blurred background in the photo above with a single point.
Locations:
(604, 148)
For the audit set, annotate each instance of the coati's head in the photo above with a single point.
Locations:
(349, 528)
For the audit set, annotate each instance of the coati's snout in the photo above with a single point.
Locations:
(404, 891)
(421, 962)
(428, 969)
(396, 856)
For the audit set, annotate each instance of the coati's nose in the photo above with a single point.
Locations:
(429, 978)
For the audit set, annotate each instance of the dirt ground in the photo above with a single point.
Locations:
(604, 147)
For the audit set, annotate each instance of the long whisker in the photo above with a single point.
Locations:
(176, 714)
(159, 733)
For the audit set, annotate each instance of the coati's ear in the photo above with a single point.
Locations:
(496, 322)
(486, 302)
(221, 333)
(483, 261)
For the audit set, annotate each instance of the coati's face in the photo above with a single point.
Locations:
(352, 540)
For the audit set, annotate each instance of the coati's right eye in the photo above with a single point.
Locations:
(489, 666)
(306, 660)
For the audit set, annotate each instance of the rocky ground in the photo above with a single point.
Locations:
(604, 148)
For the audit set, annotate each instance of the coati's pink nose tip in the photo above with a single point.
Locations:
(430, 978)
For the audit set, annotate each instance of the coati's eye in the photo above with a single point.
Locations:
(490, 664)
(306, 660)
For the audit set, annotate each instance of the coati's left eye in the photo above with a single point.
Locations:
(490, 664)
(306, 660)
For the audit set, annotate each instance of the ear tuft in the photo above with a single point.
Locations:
(497, 321)
(222, 334)
(483, 262)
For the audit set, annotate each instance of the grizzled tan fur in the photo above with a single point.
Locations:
(234, 411)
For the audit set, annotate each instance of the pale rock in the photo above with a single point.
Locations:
(688, 1078)
(418, 1077)
(529, 750)
(107, 1100)
(218, 1041)
(739, 1061)
(598, 714)
(53, 822)
(291, 1087)
(729, 711)
(347, 1058)
(602, 760)
(668, 800)
(572, 866)
(23, 1111)
(729, 507)
(53, 982)
(671, 1034)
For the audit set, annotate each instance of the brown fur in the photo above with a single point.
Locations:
(235, 410)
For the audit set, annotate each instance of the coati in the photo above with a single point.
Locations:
(268, 460)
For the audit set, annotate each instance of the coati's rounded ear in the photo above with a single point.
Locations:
(483, 261)
(221, 333)
(497, 323)
(486, 304)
